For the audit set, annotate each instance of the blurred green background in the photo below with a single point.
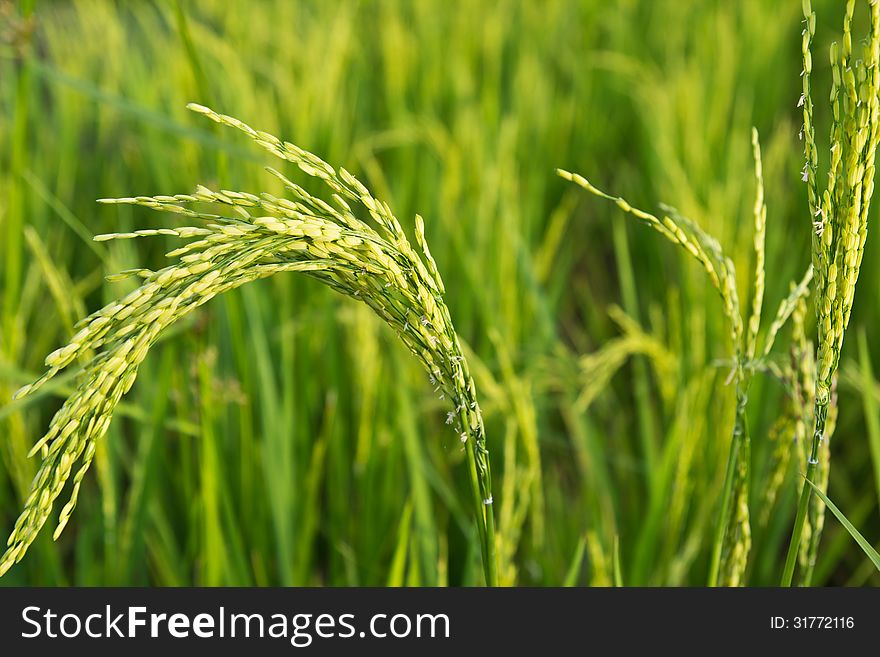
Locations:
(282, 435)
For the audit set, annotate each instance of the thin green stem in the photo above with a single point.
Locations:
(806, 493)
(806, 574)
(481, 487)
(491, 566)
(729, 477)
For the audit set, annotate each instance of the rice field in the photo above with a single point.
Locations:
(283, 433)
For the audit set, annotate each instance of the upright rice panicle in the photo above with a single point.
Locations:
(839, 213)
(249, 237)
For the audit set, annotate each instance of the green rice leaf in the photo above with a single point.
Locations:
(861, 540)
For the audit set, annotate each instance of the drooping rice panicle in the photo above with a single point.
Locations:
(371, 262)
(733, 535)
(682, 231)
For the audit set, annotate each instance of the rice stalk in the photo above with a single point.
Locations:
(730, 566)
(248, 237)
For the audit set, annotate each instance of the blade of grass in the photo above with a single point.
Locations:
(397, 571)
(615, 562)
(872, 418)
(574, 569)
(867, 548)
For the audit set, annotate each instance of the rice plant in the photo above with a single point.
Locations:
(245, 238)
(732, 540)
(839, 225)
(840, 217)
